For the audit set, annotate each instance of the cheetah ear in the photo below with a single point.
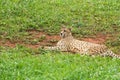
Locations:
(70, 28)
(63, 26)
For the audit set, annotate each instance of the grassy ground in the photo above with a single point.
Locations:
(87, 17)
(19, 64)
(91, 16)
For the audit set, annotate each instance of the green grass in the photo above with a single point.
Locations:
(92, 16)
(87, 17)
(16, 64)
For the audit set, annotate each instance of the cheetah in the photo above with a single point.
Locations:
(70, 44)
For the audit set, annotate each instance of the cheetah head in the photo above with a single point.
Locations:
(65, 32)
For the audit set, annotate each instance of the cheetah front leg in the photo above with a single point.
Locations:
(51, 48)
(57, 48)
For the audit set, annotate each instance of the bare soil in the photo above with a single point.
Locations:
(49, 40)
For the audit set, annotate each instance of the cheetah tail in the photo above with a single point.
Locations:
(111, 54)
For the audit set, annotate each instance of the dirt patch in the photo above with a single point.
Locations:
(99, 38)
(37, 39)
(34, 40)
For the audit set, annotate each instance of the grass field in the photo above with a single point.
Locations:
(19, 64)
(88, 18)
